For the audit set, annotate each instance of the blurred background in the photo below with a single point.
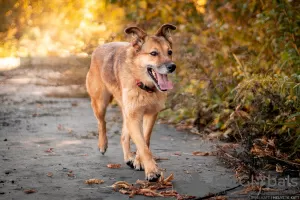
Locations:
(238, 74)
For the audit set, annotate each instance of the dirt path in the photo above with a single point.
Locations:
(31, 124)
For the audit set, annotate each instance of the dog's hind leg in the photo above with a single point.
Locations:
(125, 141)
(99, 105)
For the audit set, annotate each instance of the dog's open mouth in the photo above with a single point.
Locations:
(160, 80)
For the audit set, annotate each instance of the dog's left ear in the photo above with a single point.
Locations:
(164, 31)
(139, 36)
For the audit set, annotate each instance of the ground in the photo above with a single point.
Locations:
(41, 135)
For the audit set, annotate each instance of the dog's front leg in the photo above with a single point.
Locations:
(148, 123)
(134, 124)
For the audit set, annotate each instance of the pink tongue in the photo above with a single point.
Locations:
(163, 82)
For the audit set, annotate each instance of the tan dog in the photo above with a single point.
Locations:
(135, 74)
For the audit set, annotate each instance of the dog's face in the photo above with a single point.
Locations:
(154, 56)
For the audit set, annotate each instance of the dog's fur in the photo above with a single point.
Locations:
(114, 70)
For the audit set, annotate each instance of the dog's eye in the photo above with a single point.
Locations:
(170, 52)
(154, 53)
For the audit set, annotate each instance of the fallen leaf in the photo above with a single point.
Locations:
(121, 184)
(50, 150)
(74, 104)
(169, 193)
(150, 189)
(177, 153)
(70, 175)
(199, 153)
(221, 198)
(30, 191)
(94, 181)
(122, 191)
(148, 192)
(279, 168)
(169, 178)
(50, 174)
(114, 166)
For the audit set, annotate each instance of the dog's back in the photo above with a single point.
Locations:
(104, 63)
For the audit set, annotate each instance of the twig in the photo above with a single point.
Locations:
(218, 193)
(286, 161)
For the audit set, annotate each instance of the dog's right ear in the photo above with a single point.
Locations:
(138, 34)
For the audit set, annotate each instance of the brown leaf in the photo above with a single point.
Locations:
(114, 166)
(71, 174)
(177, 153)
(30, 191)
(50, 150)
(169, 178)
(121, 184)
(142, 182)
(74, 104)
(49, 174)
(279, 168)
(148, 192)
(199, 153)
(169, 193)
(221, 198)
(122, 191)
(94, 181)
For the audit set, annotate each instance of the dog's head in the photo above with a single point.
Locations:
(153, 56)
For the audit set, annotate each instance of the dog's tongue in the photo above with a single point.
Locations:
(163, 82)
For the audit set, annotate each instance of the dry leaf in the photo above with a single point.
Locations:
(169, 178)
(279, 168)
(114, 166)
(221, 198)
(50, 150)
(199, 153)
(30, 191)
(94, 181)
(50, 174)
(121, 184)
(147, 188)
(122, 191)
(169, 193)
(148, 192)
(177, 153)
(70, 174)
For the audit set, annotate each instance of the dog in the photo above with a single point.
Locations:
(135, 74)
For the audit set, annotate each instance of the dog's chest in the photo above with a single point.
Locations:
(147, 102)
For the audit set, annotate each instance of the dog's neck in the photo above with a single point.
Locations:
(141, 85)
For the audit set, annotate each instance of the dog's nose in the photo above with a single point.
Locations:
(171, 67)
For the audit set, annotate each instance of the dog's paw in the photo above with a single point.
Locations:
(152, 176)
(138, 165)
(102, 149)
(130, 163)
